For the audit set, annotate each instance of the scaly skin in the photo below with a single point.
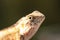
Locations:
(24, 28)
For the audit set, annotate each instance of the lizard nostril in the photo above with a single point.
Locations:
(42, 16)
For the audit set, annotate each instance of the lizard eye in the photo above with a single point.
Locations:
(29, 17)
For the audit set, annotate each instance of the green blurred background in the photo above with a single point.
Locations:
(12, 10)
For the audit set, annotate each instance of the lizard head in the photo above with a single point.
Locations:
(30, 24)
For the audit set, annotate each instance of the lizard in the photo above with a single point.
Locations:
(24, 28)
